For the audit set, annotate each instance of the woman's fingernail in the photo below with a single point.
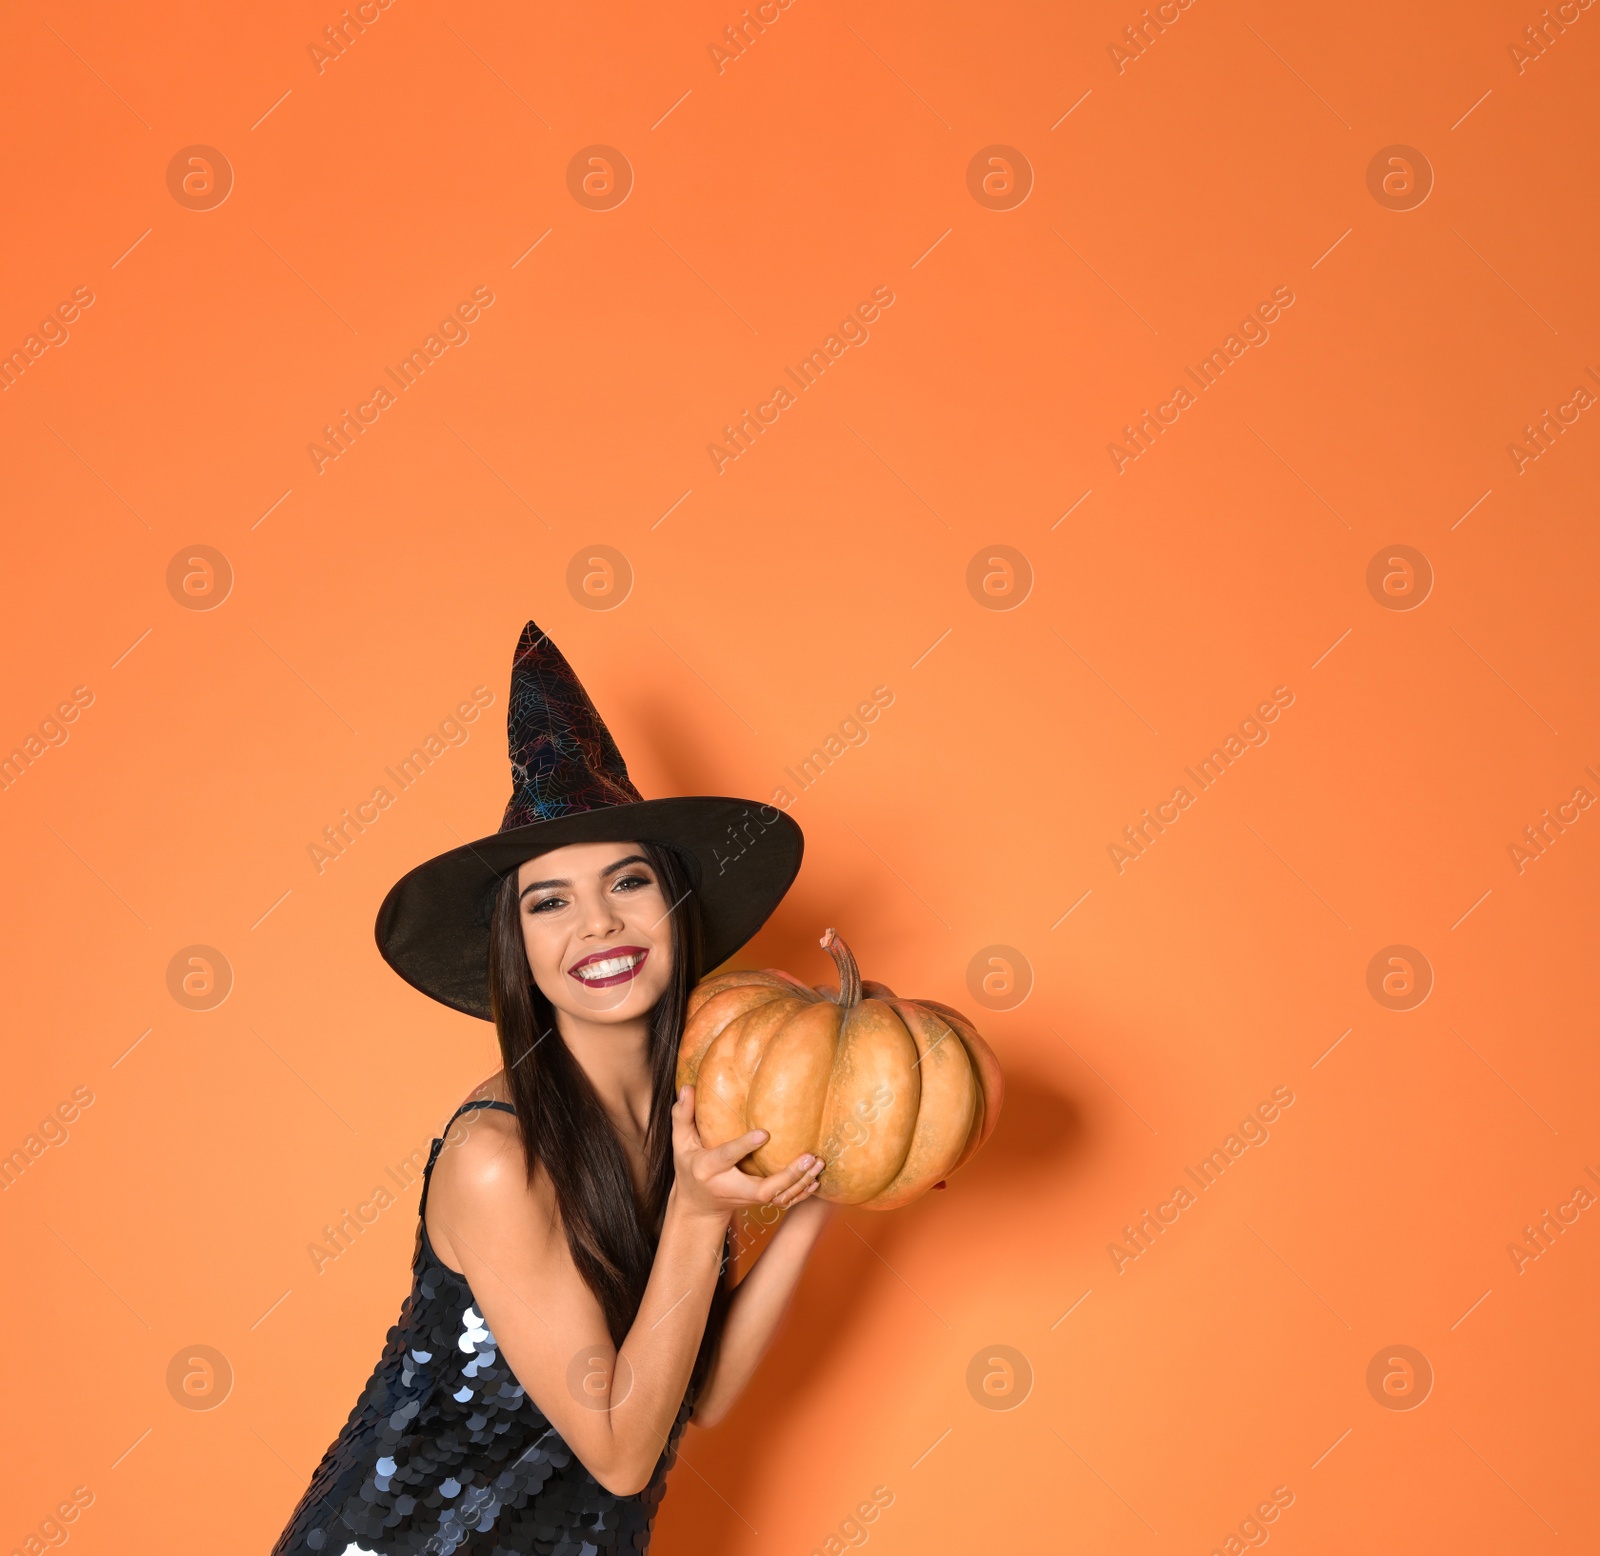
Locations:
(806, 1161)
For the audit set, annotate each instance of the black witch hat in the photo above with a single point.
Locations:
(569, 784)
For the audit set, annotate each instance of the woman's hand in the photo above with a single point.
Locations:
(709, 1182)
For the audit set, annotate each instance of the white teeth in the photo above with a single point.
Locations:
(593, 971)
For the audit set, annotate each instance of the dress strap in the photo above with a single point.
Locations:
(481, 1102)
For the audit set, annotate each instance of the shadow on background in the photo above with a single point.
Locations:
(1042, 1133)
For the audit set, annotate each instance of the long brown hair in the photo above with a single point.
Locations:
(612, 1233)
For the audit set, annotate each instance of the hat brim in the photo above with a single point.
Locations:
(742, 856)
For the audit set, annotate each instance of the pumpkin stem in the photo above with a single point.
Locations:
(849, 973)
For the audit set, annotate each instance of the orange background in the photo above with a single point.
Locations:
(1166, 601)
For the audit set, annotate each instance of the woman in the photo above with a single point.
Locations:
(571, 1307)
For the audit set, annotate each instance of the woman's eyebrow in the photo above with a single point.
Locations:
(610, 869)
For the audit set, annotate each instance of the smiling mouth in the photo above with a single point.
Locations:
(606, 969)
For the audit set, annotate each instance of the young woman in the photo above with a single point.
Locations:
(571, 1306)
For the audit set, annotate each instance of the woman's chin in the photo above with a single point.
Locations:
(610, 1007)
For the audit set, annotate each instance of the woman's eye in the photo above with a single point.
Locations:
(633, 882)
(546, 902)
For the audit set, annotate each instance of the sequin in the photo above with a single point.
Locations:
(445, 1454)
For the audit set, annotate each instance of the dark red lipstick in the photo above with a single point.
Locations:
(621, 963)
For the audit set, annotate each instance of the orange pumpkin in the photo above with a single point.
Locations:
(893, 1094)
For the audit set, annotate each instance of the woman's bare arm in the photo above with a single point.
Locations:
(758, 1303)
(613, 1408)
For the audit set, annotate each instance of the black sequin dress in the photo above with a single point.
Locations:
(445, 1453)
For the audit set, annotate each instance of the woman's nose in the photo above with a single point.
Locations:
(600, 915)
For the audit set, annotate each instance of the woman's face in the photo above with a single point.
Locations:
(597, 930)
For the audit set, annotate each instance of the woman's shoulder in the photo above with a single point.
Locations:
(482, 1159)
(481, 1193)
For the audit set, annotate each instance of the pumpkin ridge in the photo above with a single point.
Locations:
(731, 1059)
(937, 1136)
(986, 1067)
(777, 1101)
(743, 978)
(864, 1134)
(713, 1017)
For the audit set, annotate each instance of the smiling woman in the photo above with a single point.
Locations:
(572, 1307)
(614, 965)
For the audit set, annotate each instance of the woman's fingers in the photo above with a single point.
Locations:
(686, 1133)
(717, 1167)
(802, 1172)
(800, 1167)
(721, 1157)
(797, 1192)
(801, 1191)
